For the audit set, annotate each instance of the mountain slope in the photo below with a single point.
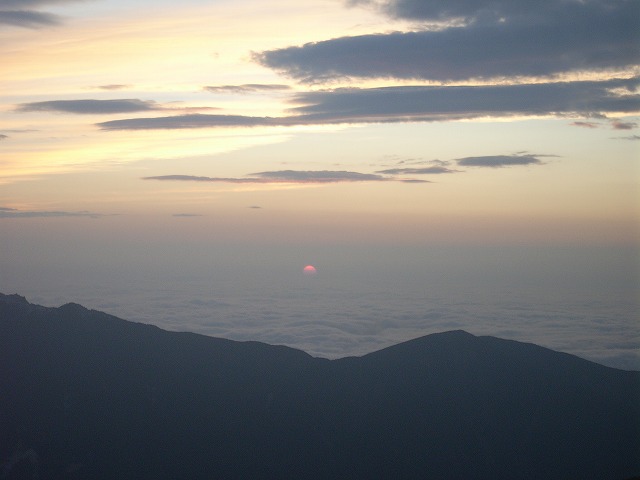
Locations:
(87, 395)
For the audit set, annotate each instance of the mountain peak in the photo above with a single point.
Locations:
(106, 398)
(13, 298)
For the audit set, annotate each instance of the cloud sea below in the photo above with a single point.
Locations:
(580, 301)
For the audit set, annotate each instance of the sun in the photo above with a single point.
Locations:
(309, 270)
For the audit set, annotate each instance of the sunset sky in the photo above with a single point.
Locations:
(366, 134)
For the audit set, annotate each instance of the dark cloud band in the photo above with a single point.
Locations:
(90, 106)
(289, 176)
(283, 176)
(537, 39)
(496, 161)
(20, 13)
(27, 19)
(422, 104)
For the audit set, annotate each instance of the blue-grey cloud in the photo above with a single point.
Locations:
(90, 106)
(22, 4)
(618, 125)
(21, 13)
(27, 19)
(496, 40)
(630, 137)
(495, 161)
(289, 176)
(2, 136)
(190, 121)
(6, 212)
(429, 103)
(246, 88)
(321, 176)
(421, 104)
(585, 124)
(483, 11)
(435, 170)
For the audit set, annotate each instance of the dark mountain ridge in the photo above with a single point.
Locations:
(88, 395)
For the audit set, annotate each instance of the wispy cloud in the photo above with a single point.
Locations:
(113, 86)
(428, 103)
(21, 13)
(289, 176)
(27, 19)
(2, 136)
(618, 125)
(496, 161)
(246, 88)
(435, 170)
(421, 104)
(585, 124)
(186, 215)
(90, 106)
(190, 121)
(630, 137)
(342, 176)
(6, 212)
(489, 39)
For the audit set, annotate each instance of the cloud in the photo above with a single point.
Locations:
(190, 121)
(496, 161)
(16, 4)
(2, 137)
(90, 106)
(585, 124)
(114, 86)
(289, 176)
(417, 171)
(186, 215)
(482, 11)
(497, 39)
(630, 137)
(19, 13)
(421, 104)
(255, 207)
(246, 88)
(617, 125)
(6, 212)
(27, 19)
(323, 176)
(430, 103)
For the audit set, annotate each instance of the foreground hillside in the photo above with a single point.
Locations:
(86, 395)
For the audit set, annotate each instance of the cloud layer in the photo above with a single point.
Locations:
(342, 176)
(422, 104)
(89, 106)
(288, 176)
(496, 39)
(6, 212)
(495, 161)
(21, 13)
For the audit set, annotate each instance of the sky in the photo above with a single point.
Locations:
(443, 164)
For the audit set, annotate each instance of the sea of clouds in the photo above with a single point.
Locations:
(575, 302)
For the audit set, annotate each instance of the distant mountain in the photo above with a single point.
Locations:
(85, 395)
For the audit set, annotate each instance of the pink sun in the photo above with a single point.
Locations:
(309, 270)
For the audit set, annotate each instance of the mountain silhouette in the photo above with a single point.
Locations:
(85, 395)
